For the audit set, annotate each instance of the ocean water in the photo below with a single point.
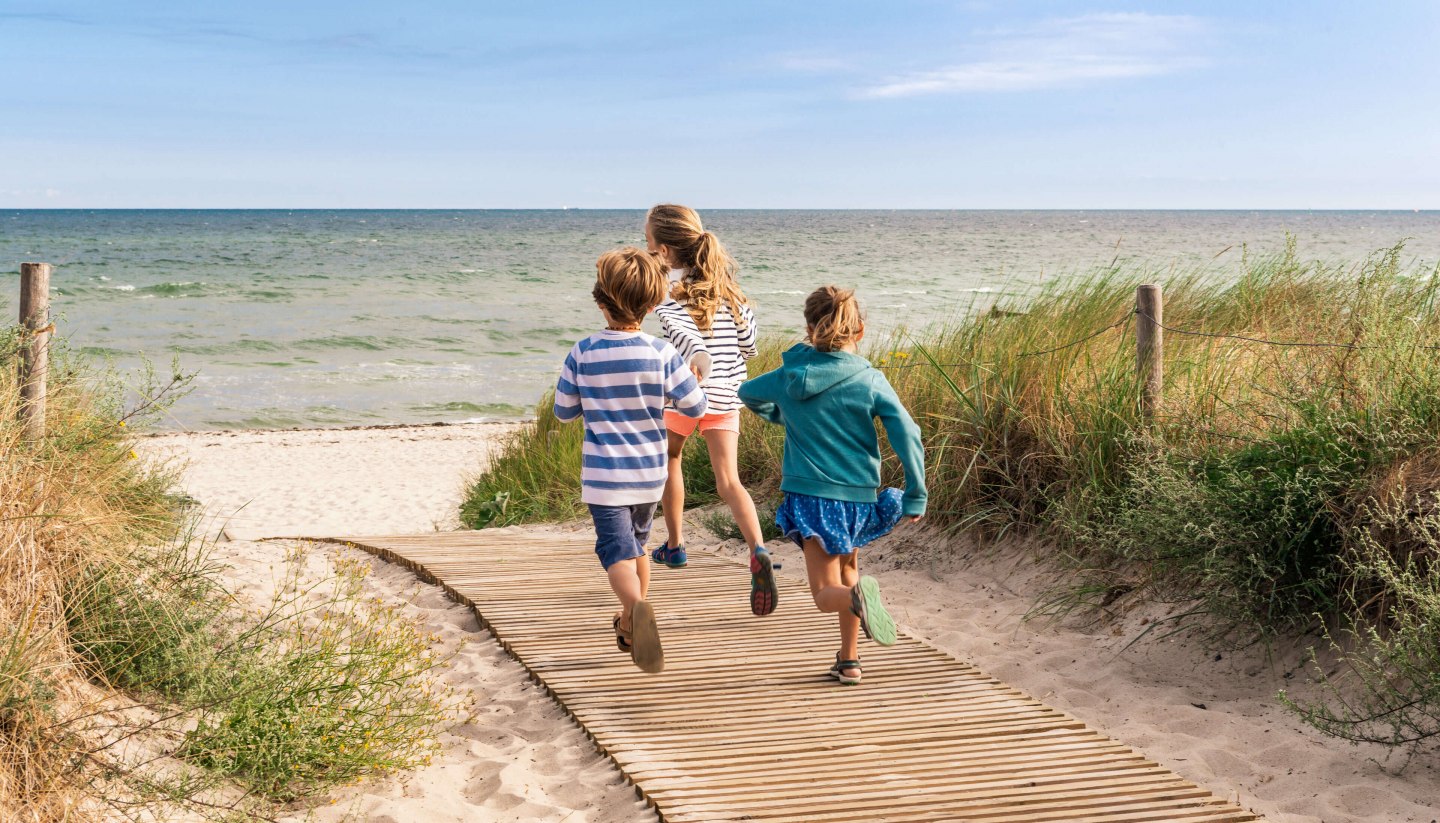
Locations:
(332, 318)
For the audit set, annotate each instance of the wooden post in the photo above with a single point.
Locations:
(35, 353)
(1149, 348)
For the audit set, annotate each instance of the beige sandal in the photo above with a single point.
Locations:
(645, 647)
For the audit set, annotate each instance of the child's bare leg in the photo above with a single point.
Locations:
(849, 622)
(625, 581)
(827, 573)
(723, 446)
(673, 498)
(826, 585)
(642, 570)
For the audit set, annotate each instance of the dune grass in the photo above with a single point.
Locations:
(1247, 499)
(132, 684)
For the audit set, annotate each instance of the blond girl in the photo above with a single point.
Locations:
(711, 324)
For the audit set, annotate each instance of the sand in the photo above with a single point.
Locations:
(519, 758)
(1213, 721)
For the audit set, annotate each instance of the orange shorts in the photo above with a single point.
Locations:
(686, 426)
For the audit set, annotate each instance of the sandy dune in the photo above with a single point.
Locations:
(521, 759)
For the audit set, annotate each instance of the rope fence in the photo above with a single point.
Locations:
(1149, 344)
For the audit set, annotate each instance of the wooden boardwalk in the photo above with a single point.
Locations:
(744, 723)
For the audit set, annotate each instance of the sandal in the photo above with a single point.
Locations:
(865, 604)
(670, 558)
(838, 670)
(623, 639)
(645, 636)
(763, 594)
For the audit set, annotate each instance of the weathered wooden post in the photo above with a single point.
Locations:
(35, 352)
(1149, 348)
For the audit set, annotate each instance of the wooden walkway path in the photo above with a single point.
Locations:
(744, 723)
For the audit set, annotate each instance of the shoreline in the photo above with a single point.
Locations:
(362, 427)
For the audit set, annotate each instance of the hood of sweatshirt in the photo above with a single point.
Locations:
(808, 372)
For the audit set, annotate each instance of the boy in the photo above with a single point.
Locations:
(618, 380)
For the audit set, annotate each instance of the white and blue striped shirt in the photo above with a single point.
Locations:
(728, 343)
(618, 381)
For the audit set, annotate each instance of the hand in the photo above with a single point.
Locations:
(695, 370)
(914, 518)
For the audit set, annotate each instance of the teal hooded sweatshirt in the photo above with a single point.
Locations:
(828, 402)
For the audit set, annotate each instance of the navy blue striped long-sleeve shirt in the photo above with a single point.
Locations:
(618, 382)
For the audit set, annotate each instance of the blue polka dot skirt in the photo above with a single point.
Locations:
(840, 525)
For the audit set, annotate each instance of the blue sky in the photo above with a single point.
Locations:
(737, 104)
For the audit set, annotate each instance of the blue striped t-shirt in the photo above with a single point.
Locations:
(618, 382)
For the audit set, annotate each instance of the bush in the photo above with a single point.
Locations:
(722, 524)
(101, 589)
(1388, 688)
(320, 696)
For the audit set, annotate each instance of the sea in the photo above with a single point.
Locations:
(323, 318)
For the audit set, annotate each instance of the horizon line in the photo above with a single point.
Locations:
(738, 208)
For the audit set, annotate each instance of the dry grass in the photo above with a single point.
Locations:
(133, 686)
(66, 503)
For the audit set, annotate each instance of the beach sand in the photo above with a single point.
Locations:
(518, 758)
(1213, 720)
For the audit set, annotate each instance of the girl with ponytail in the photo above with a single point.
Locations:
(711, 324)
(827, 397)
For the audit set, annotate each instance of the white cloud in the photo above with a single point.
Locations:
(1064, 53)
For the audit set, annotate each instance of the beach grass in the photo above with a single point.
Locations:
(1247, 500)
(131, 682)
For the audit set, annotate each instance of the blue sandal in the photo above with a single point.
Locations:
(670, 558)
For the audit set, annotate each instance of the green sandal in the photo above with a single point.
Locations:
(865, 603)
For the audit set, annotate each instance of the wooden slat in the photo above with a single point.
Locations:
(745, 723)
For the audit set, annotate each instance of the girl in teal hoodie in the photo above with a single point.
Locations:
(827, 397)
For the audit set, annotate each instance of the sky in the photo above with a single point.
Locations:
(838, 104)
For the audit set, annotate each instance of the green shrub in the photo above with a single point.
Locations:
(320, 688)
(721, 523)
(148, 623)
(1387, 689)
(323, 695)
(1256, 535)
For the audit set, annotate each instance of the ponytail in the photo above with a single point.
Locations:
(710, 280)
(833, 317)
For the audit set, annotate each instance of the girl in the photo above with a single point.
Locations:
(828, 397)
(710, 323)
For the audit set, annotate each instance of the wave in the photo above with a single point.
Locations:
(492, 410)
(367, 342)
(189, 288)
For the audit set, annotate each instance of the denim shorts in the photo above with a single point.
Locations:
(621, 531)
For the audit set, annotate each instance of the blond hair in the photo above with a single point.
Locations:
(833, 317)
(628, 284)
(710, 281)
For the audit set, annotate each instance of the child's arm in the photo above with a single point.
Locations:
(567, 391)
(759, 396)
(747, 335)
(679, 328)
(680, 386)
(905, 440)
